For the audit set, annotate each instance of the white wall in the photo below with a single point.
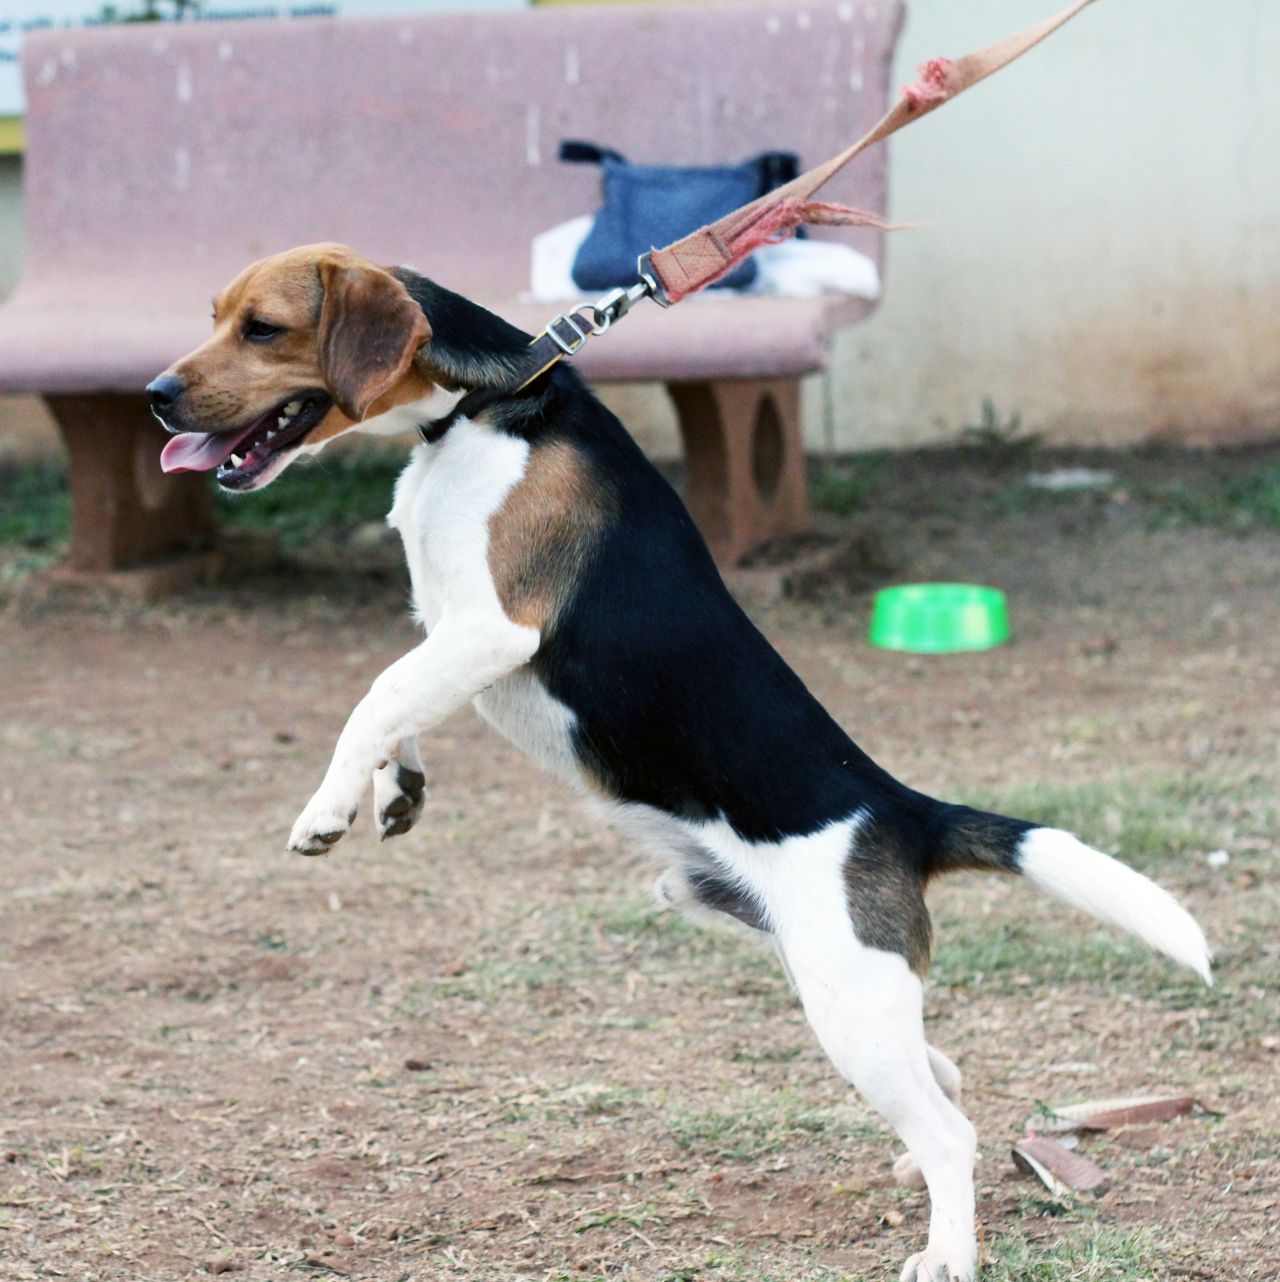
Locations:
(1103, 253)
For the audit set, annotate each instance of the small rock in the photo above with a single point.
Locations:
(1217, 859)
(221, 1263)
(1061, 479)
(893, 1219)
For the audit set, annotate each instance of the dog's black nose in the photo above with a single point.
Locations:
(162, 392)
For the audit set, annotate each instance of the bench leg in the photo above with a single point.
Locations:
(124, 509)
(744, 451)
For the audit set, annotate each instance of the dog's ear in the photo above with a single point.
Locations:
(369, 331)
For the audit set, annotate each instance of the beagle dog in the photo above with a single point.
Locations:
(565, 592)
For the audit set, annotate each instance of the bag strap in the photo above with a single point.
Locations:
(574, 151)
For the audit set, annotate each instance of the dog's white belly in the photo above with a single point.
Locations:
(520, 707)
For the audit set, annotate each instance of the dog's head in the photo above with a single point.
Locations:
(306, 345)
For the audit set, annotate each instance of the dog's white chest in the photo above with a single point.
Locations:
(444, 502)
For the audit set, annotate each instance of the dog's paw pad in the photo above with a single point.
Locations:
(413, 783)
(318, 843)
(319, 829)
(400, 793)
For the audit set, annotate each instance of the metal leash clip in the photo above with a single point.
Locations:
(580, 335)
(594, 318)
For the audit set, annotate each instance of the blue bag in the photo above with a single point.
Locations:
(648, 206)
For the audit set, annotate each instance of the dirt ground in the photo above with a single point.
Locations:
(478, 1051)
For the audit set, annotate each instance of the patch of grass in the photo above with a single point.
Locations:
(1242, 503)
(1146, 823)
(842, 488)
(1088, 1255)
(330, 496)
(593, 940)
(637, 1215)
(737, 1266)
(1002, 440)
(1009, 955)
(1161, 826)
(757, 1125)
(35, 504)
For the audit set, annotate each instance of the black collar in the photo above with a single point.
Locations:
(545, 351)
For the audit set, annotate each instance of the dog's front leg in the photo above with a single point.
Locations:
(462, 656)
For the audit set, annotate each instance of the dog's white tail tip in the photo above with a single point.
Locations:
(1064, 867)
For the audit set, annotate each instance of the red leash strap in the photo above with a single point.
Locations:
(707, 254)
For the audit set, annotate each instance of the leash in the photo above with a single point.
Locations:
(695, 261)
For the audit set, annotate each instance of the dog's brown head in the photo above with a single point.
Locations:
(306, 344)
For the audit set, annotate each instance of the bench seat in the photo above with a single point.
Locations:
(119, 344)
(162, 158)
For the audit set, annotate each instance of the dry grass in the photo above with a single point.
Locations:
(479, 1053)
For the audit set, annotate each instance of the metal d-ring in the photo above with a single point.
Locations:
(595, 318)
(568, 345)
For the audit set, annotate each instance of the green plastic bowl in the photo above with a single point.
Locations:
(939, 618)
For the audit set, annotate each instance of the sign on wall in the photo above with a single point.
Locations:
(17, 17)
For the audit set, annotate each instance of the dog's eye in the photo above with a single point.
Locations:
(259, 331)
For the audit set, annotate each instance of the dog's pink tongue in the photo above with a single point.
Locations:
(197, 451)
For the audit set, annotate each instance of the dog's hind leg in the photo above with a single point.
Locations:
(399, 789)
(906, 1170)
(866, 1007)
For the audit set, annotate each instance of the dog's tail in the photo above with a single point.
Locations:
(1067, 869)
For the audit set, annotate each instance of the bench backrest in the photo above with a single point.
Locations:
(168, 156)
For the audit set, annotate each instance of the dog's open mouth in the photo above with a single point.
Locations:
(241, 455)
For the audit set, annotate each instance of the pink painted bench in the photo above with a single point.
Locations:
(162, 158)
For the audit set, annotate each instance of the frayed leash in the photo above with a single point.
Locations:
(695, 261)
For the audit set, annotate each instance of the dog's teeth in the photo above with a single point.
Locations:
(236, 460)
(292, 408)
(282, 421)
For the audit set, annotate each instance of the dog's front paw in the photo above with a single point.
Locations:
(320, 826)
(957, 1265)
(398, 794)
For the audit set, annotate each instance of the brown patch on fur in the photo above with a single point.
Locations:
(349, 327)
(542, 534)
(886, 898)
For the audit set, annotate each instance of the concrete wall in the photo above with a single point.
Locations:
(1103, 247)
(1101, 251)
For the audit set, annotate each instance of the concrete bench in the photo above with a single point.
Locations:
(162, 158)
